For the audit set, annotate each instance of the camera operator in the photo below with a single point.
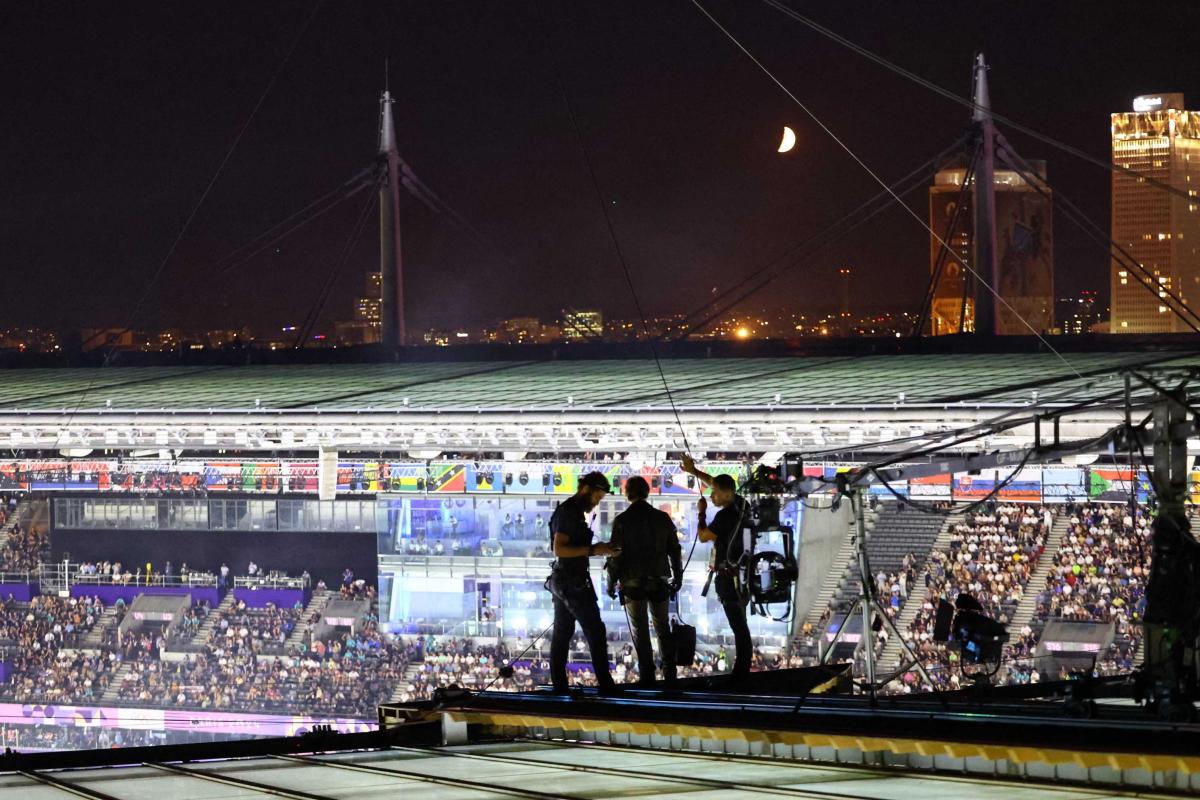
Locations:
(725, 532)
(649, 569)
(571, 585)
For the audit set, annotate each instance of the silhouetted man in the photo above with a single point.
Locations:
(725, 532)
(571, 585)
(649, 569)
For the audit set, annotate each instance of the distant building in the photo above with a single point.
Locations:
(1079, 315)
(519, 330)
(577, 325)
(1159, 230)
(1025, 252)
(114, 338)
(367, 325)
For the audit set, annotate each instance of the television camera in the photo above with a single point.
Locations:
(768, 568)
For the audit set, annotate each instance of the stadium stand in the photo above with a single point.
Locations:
(991, 555)
(1099, 575)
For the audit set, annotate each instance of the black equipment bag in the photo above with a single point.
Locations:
(684, 638)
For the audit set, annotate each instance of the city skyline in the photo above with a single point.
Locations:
(688, 231)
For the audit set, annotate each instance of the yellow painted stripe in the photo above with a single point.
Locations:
(925, 747)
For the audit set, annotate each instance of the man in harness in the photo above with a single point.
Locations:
(571, 585)
(725, 532)
(649, 569)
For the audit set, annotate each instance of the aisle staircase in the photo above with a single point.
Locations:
(1037, 580)
(208, 627)
(405, 683)
(839, 571)
(320, 598)
(95, 637)
(19, 516)
(890, 656)
(110, 695)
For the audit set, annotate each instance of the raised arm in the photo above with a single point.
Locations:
(688, 465)
(703, 532)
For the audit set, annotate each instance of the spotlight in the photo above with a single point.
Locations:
(980, 637)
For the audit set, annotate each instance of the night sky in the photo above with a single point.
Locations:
(116, 116)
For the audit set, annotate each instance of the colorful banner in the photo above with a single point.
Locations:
(555, 478)
(1064, 484)
(1113, 483)
(1026, 485)
(936, 487)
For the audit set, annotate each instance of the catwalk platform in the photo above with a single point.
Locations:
(1043, 732)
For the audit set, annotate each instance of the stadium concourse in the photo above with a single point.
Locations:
(197, 554)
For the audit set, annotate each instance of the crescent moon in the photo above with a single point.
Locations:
(789, 140)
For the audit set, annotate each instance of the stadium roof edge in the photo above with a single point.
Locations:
(758, 384)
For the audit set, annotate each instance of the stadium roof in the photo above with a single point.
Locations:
(730, 404)
(524, 769)
(803, 382)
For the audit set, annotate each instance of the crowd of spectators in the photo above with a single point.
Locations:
(264, 630)
(990, 557)
(42, 671)
(24, 548)
(440, 663)
(346, 675)
(70, 737)
(1099, 575)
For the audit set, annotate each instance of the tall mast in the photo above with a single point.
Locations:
(987, 302)
(391, 264)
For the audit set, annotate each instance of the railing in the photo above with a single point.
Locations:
(272, 582)
(195, 579)
(466, 565)
(27, 576)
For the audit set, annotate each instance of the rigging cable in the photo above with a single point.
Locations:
(587, 160)
(880, 181)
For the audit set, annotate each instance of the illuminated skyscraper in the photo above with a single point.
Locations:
(1160, 230)
(1025, 247)
(582, 324)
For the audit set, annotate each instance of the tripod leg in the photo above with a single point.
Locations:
(907, 650)
(837, 637)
